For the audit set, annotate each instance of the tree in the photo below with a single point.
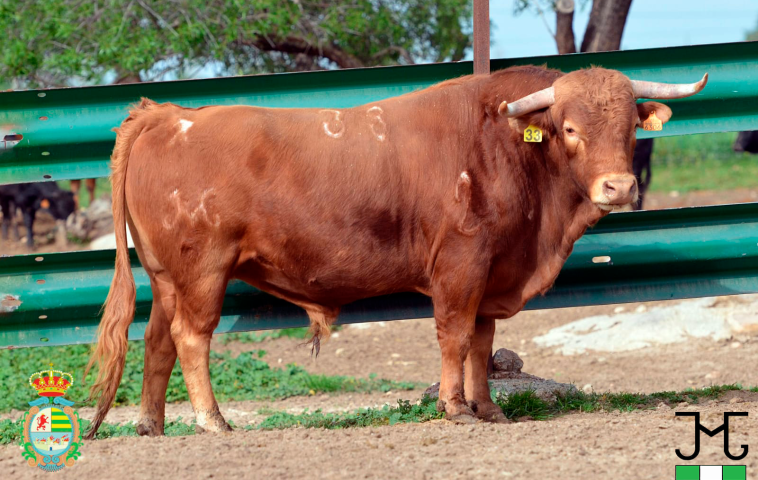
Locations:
(60, 42)
(604, 30)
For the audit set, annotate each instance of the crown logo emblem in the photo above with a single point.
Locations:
(51, 383)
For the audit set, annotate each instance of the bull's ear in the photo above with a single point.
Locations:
(538, 119)
(646, 108)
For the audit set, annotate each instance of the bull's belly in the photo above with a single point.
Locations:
(329, 283)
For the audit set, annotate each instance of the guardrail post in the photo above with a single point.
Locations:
(481, 37)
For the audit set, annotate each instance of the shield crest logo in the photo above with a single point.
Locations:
(50, 429)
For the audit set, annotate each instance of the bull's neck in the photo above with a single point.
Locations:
(557, 209)
(568, 212)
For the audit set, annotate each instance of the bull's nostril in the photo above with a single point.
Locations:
(609, 189)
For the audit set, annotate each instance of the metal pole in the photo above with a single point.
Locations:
(481, 37)
(482, 67)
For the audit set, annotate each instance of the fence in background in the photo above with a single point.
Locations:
(62, 134)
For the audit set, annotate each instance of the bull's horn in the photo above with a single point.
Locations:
(663, 91)
(535, 101)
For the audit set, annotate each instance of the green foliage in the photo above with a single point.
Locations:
(102, 187)
(515, 406)
(404, 412)
(10, 431)
(701, 162)
(49, 42)
(257, 337)
(244, 377)
(523, 404)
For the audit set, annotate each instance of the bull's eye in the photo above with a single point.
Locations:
(570, 130)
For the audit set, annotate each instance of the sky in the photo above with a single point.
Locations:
(651, 23)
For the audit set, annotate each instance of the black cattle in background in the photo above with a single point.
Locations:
(641, 168)
(746, 142)
(29, 198)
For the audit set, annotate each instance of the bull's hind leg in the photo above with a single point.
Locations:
(476, 387)
(198, 312)
(160, 357)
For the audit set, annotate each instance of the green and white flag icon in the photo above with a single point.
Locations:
(710, 472)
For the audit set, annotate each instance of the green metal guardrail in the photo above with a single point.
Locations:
(55, 298)
(67, 132)
(656, 255)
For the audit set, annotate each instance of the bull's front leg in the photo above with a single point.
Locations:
(456, 300)
(477, 388)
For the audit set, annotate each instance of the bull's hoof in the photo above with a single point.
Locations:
(222, 428)
(488, 412)
(495, 417)
(457, 412)
(149, 428)
(462, 419)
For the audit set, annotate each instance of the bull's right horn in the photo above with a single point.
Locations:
(665, 91)
(535, 101)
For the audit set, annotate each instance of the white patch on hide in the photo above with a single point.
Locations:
(334, 128)
(195, 216)
(378, 127)
(185, 125)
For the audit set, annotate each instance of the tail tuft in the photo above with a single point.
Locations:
(112, 334)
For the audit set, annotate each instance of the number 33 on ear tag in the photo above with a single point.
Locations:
(532, 134)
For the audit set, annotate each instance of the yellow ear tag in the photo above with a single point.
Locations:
(653, 123)
(44, 203)
(532, 134)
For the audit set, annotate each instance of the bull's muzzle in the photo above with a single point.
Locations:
(612, 190)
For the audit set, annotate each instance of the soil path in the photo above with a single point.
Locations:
(637, 445)
(408, 351)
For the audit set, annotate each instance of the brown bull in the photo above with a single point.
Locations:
(433, 192)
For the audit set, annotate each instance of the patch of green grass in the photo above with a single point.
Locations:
(701, 162)
(515, 406)
(10, 431)
(257, 337)
(103, 185)
(404, 412)
(244, 377)
(523, 404)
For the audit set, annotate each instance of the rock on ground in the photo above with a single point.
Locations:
(508, 379)
(717, 318)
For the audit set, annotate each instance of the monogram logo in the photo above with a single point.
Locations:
(724, 427)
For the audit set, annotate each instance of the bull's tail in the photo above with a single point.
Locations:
(110, 352)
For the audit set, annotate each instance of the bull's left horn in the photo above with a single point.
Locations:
(535, 101)
(663, 91)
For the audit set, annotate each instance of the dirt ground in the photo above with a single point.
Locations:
(659, 200)
(44, 238)
(633, 445)
(636, 445)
